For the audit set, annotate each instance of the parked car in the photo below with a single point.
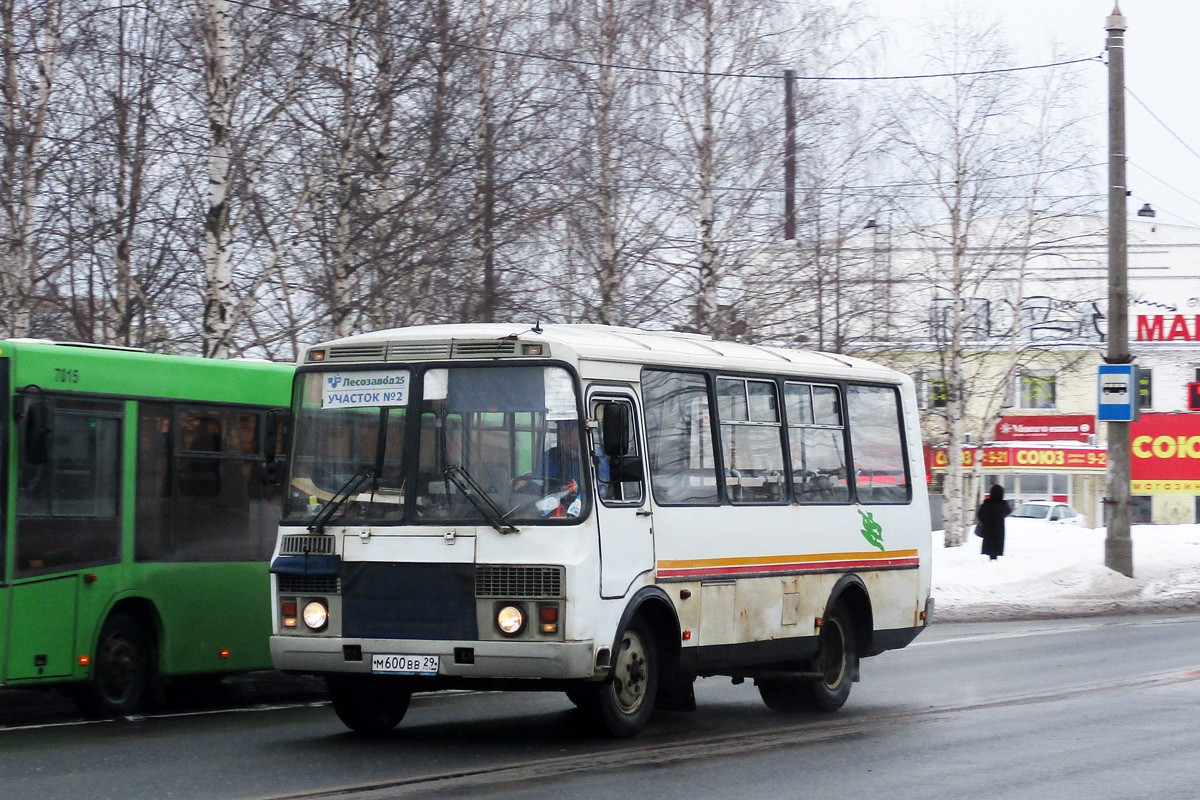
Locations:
(1049, 513)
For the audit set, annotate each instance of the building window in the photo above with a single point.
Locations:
(1035, 390)
(933, 391)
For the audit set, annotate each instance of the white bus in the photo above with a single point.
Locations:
(602, 511)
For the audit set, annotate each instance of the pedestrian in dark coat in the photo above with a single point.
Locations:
(990, 517)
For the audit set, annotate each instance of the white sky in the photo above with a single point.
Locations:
(1160, 68)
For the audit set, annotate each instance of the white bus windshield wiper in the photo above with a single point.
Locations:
(484, 504)
(349, 488)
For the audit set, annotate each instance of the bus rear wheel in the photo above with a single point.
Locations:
(121, 672)
(623, 704)
(837, 661)
(367, 704)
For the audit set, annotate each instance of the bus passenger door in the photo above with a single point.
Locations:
(622, 503)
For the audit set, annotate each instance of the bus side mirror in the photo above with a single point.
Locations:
(614, 429)
(37, 433)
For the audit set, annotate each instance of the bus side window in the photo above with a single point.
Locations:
(881, 471)
(750, 441)
(817, 441)
(68, 507)
(628, 467)
(201, 496)
(679, 438)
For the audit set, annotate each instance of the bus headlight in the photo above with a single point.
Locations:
(510, 620)
(316, 615)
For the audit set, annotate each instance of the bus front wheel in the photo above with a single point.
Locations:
(367, 704)
(121, 672)
(623, 703)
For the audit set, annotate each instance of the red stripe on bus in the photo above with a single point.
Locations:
(805, 566)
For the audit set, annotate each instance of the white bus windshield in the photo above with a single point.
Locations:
(511, 433)
(344, 426)
(513, 430)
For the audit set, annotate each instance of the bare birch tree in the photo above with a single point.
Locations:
(30, 38)
(970, 142)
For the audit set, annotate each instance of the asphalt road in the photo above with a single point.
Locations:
(1098, 708)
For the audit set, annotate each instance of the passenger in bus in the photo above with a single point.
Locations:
(990, 517)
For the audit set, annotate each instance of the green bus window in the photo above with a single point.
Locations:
(155, 477)
(202, 499)
(5, 405)
(67, 508)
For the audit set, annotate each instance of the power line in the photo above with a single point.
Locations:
(179, 152)
(1164, 183)
(313, 17)
(1165, 126)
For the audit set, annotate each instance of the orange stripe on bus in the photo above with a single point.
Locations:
(794, 559)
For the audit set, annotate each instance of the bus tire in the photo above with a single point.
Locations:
(368, 705)
(837, 660)
(623, 703)
(122, 671)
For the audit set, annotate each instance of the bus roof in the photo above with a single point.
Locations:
(589, 342)
(126, 372)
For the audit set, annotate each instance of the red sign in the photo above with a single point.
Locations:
(1027, 458)
(1162, 328)
(1046, 428)
(1165, 450)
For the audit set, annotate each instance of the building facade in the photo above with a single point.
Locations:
(1024, 312)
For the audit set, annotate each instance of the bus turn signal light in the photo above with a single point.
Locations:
(548, 617)
(224, 653)
(85, 660)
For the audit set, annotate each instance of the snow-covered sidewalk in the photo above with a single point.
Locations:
(1061, 573)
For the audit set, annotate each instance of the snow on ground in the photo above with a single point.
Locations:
(1059, 572)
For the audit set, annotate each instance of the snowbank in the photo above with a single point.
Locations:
(1060, 572)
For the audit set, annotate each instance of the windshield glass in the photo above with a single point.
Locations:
(1031, 511)
(347, 422)
(512, 430)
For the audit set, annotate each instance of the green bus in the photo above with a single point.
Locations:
(140, 506)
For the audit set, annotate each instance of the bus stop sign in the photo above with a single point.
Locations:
(1118, 398)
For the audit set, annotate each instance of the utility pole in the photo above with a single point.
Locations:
(789, 155)
(1118, 546)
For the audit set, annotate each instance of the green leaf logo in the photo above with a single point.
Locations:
(872, 531)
